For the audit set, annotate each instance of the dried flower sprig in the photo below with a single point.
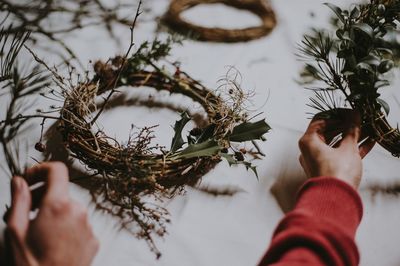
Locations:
(354, 62)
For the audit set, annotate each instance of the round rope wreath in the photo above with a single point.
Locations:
(258, 7)
(355, 62)
(131, 173)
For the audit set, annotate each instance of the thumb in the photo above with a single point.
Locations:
(18, 220)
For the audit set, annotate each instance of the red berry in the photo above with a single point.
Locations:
(239, 156)
(40, 147)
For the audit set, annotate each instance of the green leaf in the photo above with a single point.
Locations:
(364, 28)
(371, 60)
(365, 66)
(385, 51)
(381, 83)
(232, 161)
(249, 131)
(177, 141)
(208, 148)
(355, 12)
(385, 66)
(339, 33)
(208, 133)
(338, 11)
(384, 105)
(229, 158)
(251, 167)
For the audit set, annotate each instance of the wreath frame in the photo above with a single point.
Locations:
(260, 8)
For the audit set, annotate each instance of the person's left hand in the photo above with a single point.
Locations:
(60, 234)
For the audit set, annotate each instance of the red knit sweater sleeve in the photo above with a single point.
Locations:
(321, 228)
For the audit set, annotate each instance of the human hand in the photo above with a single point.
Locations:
(60, 234)
(343, 162)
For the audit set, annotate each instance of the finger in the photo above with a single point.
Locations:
(55, 177)
(312, 137)
(315, 126)
(366, 147)
(353, 130)
(18, 220)
(351, 137)
(325, 126)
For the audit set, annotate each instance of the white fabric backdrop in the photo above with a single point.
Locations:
(206, 230)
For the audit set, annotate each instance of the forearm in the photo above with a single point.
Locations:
(321, 228)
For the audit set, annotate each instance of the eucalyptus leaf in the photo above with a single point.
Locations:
(338, 11)
(365, 66)
(364, 28)
(204, 149)
(381, 83)
(385, 66)
(385, 51)
(371, 60)
(384, 105)
(249, 131)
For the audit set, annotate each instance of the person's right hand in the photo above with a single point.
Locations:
(343, 162)
(60, 234)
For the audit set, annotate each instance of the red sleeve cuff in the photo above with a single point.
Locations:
(331, 199)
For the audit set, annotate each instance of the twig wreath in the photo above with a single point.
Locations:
(355, 62)
(260, 8)
(135, 170)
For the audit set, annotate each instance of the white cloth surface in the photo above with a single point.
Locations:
(235, 231)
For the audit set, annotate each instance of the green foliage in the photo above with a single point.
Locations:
(177, 141)
(150, 52)
(10, 48)
(232, 161)
(248, 131)
(207, 148)
(355, 59)
(18, 87)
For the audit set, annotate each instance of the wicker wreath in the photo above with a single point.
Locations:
(258, 7)
(354, 62)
